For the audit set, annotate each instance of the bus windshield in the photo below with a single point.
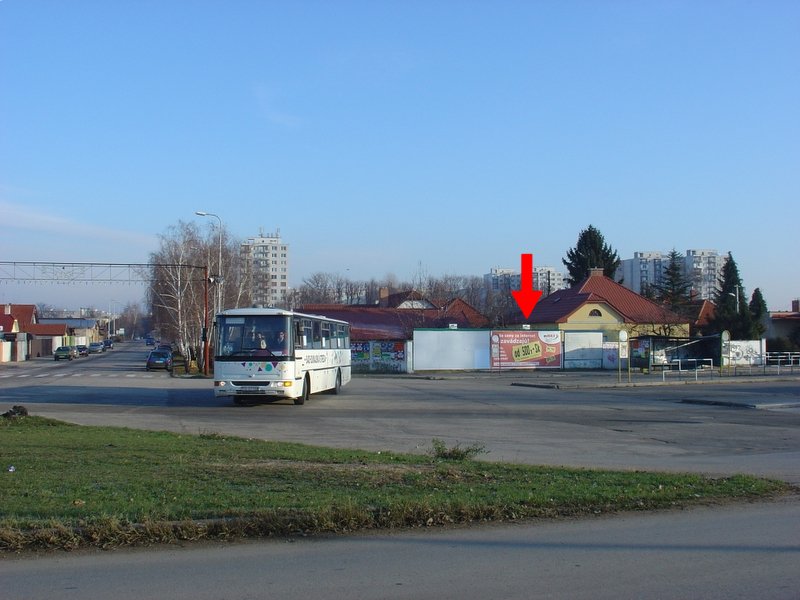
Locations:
(258, 335)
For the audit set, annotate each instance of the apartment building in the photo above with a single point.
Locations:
(265, 260)
(702, 267)
(546, 279)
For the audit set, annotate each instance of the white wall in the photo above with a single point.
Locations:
(450, 349)
(583, 350)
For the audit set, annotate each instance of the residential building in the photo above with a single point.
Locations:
(546, 279)
(265, 260)
(702, 267)
(645, 269)
(600, 304)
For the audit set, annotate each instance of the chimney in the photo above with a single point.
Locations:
(796, 305)
(596, 272)
(383, 296)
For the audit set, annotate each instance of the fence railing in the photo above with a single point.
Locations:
(689, 365)
(783, 360)
(768, 363)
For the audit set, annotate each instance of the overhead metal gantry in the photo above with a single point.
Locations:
(94, 272)
(64, 272)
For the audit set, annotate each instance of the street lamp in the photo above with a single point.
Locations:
(736, 295)
(202, 213)
(111, 306)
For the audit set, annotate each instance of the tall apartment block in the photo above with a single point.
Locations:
(702, 267)
(265, 260)
(546, 279)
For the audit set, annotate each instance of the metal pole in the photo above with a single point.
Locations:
(205, 325)
(218, 302)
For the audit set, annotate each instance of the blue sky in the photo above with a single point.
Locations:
(397, 137)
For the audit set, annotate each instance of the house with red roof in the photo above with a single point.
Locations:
(785, 324)
(31, 338)
(600, 304)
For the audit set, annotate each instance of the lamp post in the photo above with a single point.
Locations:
(202, 213)
(111, 307)
(736, 295)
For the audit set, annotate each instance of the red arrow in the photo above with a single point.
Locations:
(526, 296)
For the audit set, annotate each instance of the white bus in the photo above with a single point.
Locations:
(270, 354)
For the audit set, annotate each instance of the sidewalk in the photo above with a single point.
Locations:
(598, 378)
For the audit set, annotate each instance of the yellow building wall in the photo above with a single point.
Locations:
(610, 322)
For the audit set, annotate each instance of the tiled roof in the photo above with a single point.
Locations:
(23, 313)
(47, 329)
(784, 316)
(633, 308)
(376, 323)
(7, 323)
(702, 312)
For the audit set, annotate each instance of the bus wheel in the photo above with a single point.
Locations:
(306, 390)
(337, 387)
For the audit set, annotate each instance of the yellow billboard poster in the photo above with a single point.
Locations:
(526, 349)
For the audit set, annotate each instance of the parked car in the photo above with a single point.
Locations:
(63, 352)
(159, 359)
(96, 348)
(108, 344)
(83, 350)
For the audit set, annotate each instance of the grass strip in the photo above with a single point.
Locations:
(66, 486)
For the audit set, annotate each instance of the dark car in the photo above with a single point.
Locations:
(83, 350)
(150, 341)
(159, 359)
(63, 352)
(108, 344)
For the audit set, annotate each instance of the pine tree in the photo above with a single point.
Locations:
(732, 312)
(590, 252)
(758, 313)
(675, 288)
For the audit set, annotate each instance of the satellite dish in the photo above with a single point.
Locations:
(726, 336)
(623, 336)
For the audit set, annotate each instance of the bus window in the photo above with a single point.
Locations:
(317, 335)
(326, 335)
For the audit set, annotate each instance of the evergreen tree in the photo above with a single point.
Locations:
(675, 288)
(590, 252)
(732, 312)
(758, 313)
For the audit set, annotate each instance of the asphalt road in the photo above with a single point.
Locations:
(748, 551)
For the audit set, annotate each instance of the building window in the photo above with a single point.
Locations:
(595, 313)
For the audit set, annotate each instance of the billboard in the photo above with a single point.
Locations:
(526, 349)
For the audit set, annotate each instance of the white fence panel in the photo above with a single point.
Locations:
(450, 349)
(583, 350)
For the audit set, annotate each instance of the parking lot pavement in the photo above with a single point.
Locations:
(598, 378)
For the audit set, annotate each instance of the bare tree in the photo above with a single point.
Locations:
(319, 288)
(177, 290)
